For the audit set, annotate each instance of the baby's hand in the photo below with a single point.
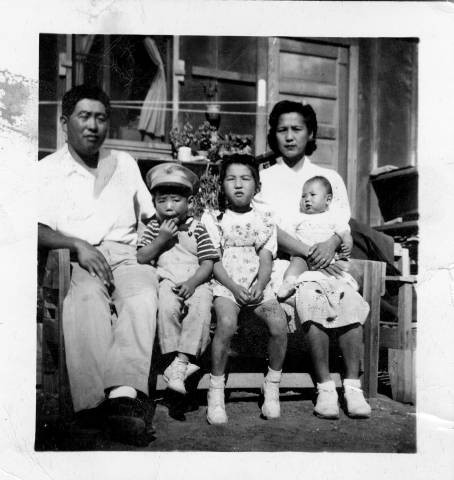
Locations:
(256, 294)
(346, 250)
(184, 290)
(167, 230)
(241, 295)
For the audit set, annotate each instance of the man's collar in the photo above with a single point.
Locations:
(72, 165)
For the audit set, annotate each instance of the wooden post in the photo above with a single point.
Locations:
(373, 289)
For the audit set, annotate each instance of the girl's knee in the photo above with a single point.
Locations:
(225, 327)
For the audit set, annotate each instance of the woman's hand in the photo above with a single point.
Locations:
(241, 295)
(321, 254)
(256, 294)
(94, 262)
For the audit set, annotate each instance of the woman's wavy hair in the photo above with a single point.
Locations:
(308, 114)
(236, 158)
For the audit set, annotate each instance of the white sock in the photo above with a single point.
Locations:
(352, 382)
(273, 375)
(329, 386)
(217, 381)
(123, 391)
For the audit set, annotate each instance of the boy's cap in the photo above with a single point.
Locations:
(174, 175)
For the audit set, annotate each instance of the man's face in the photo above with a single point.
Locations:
(86, 127)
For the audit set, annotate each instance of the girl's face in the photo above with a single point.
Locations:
(292, 136)
(239, 186)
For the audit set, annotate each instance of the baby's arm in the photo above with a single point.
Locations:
(149, 251)
(347, 243)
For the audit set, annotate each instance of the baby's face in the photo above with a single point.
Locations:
(315, 198)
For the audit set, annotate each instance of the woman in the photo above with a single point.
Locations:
(292, 135)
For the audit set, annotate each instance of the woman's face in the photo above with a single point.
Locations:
(292, 136)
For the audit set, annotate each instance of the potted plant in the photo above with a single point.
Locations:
(182, 140)
(207, 141)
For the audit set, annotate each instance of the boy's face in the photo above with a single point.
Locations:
(171, 204)
(315, 198)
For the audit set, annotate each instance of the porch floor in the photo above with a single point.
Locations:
(392, 428)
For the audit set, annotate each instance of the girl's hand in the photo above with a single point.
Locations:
(256, 294)
(167, 230)
(184, 290)
(241, 295)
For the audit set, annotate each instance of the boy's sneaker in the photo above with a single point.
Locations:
(327, 405)
(356, 404)
(287, 288)
(177, 376)
(271, 407)
(191, 368)
(216, 414)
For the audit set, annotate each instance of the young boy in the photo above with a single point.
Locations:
(315, 224)
(183, 253)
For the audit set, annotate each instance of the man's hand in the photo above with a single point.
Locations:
(256, 294)
(184, 289)
(167, 230)
(94, 262)
(241, 295)
(321, 254)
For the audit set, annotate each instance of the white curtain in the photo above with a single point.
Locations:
(83, 46)
(152, 115)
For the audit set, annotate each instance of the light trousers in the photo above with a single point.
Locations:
(105, 350)
(184, 326)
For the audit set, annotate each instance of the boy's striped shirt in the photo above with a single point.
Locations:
(205, 248)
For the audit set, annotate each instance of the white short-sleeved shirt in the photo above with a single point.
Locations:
(317, 227)
(69, 205)
(282, 186)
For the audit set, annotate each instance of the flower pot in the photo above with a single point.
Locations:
(184, 154)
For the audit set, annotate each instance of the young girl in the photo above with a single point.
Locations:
(247, 242)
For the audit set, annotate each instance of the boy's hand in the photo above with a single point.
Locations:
(256, 294)
(184, 290)
(167, 230)
(241, 295)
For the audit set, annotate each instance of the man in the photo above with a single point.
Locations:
(91, 201)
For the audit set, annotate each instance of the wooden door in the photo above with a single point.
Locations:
(315, 73)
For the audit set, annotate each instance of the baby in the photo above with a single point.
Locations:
(315, 224)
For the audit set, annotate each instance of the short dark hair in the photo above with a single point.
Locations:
(324, 181)
(79, 92)
(309, 117)
(236, 158)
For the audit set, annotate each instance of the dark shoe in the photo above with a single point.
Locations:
(91, 418)
(128, 420)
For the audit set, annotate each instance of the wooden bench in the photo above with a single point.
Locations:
(55, 284)
(400, 337)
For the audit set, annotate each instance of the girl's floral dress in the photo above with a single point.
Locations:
(240, 236)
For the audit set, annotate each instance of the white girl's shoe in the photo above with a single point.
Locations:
(356, 404)
(216, 414)
(327, 400)
(271, 407)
